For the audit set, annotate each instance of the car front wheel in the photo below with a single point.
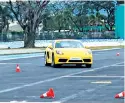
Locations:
(53, 62)
(88, 65)
(45, 60)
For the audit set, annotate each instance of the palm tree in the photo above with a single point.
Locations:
(95, 20)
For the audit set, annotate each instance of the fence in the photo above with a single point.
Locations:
(50, 35)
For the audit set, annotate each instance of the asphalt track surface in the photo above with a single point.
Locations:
(98, 84)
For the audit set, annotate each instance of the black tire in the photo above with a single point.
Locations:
(53, 62)
(46, 64)
(88, 65)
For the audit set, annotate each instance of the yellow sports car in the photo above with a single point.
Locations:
(68, 51)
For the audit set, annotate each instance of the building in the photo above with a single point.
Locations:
(14, 26)
(119, 20)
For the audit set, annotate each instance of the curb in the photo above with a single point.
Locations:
(22, 53)
(44, 50)
(107, 49)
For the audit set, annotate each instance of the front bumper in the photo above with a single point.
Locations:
(74, 60)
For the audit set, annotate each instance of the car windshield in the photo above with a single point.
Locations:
(68, 44)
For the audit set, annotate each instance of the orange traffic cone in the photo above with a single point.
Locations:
(120, 95)
(17, 68)
(117, 54)
(48, 94)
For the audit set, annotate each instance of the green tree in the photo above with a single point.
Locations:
(59, 16)
(5, 16)
(109, 8)
(29, 16)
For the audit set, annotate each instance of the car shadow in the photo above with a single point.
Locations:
(67, 67)
(71, 67)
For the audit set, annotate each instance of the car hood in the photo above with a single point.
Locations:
(73, 50)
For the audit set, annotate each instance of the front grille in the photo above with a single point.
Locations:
(75, 60)
(87, 60)
(62, 60)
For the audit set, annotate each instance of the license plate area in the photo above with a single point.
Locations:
(75, 58)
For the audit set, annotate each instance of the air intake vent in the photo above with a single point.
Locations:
(87, 60)
(75, 60)
(62, 60)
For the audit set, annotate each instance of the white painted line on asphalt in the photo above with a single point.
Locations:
(102, 82)
(95, 76)
(27, 102)
(30, 96)
(119, 65)
(107, 49)
(65, 99)
(73, 96)
(16, 102)
(14, 63)
(94, 69)
(22, 57)
(52, 79)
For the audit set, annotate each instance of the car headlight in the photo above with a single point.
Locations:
(59, 52)
(89, 52)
